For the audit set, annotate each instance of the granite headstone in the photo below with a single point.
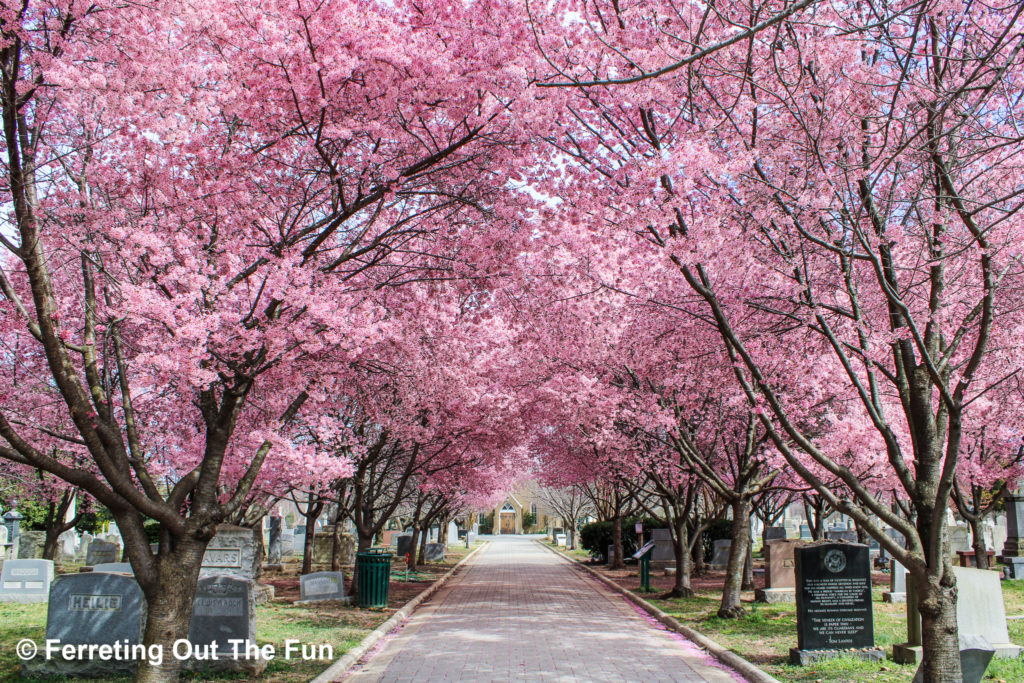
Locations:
(833, 603)
(322, 586)
(433, 552)
(102, 552)
(26, 580)
(230, 553)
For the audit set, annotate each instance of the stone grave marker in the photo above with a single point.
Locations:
(720, 552)
(805, 531)
(975, 655)
(433, 552)
(26, 580)
(663, 550)
(230, 553)
(322, 586)
(102, 552)
(403, 544)
(959, 538)
(897, 583)
(453, 533)
(92, 608)
(223, 610)
(780, 571)
(3, 541)
(1013, 547)
(833, 603)
(30, 544)
(114, 567)
(774, 533)
(560, 540)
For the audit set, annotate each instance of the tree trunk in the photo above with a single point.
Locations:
(260, 553)
(169, 608)
(307, 545)
(422, 557)
(978, 541)
(731, 607)
(50, 542)
(699, 562)
(616, 559)
(363, 542)
(413, 546)
(748, 564)
(337, 543)
(937, 606)
(681, 549)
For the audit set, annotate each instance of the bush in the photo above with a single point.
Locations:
(597, 536)
(529, 521)
(487, 526)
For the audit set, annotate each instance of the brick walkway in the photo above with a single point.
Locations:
(520, 612)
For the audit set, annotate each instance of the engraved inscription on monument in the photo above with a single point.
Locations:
(222, 557)
(834, 597)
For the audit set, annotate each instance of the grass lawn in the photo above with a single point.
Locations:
(330, 623)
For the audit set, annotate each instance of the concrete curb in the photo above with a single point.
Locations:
(749, 671)
(340, 667)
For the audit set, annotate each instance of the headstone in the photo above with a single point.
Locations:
(897, 583)
(83, 547)
(720, 552)
(92, 609)
(230, 553)
(433, 552)
(774, 533)
(403, 544)
(223, 610)
(959, 538)
(3, 541)
(287, 543)
(560, 540)
(975, 655)
(833, 603)
(102, 552)
(274, 541)
(805, 532)
(30, 544)
(114, 568)
(663, 549)
(26, 580)
(980, 609)
(453, 533)
(12, 520)
(780, 571)
(322, 586)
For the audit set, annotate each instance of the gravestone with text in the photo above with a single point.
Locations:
(780, 571)
(833, 603)
(3, 541)
(846, 535)
(230, 553)
(26, 580)
(102, 552)
(92, 609)
(433, 552)
(774, 533)
(322, 586)
(224, 610)
(114, 567)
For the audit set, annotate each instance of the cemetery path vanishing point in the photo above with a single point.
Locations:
(518, 612)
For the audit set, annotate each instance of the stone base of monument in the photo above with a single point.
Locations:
(58, 667)
(273, 567)
(254, 666)
(263, 593)
(894, 597)
(808, 657)
(347, 600)
(670, 570)
(773, 595)
(1014, 567)
(905, 653)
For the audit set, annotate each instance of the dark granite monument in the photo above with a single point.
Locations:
(833, 603)
(223, 610)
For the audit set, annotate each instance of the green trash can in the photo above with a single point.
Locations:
(373, 573)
